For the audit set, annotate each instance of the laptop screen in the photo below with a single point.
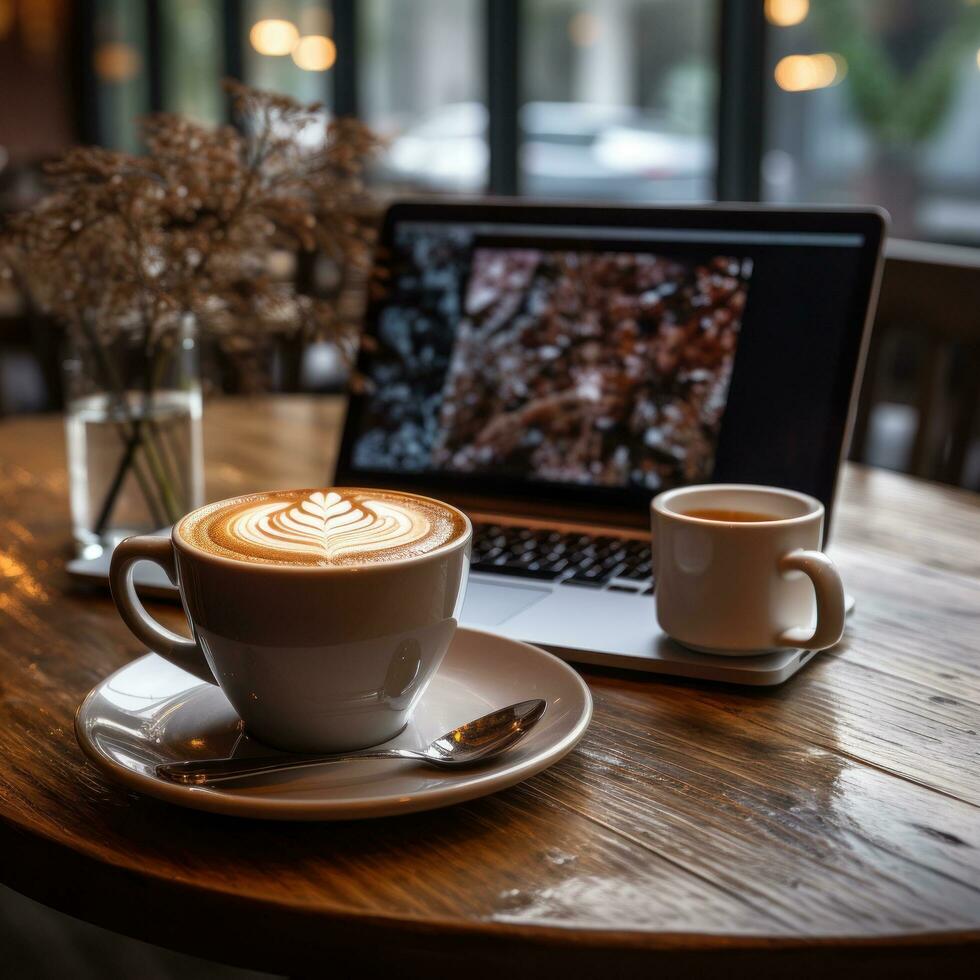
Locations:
(602, 362)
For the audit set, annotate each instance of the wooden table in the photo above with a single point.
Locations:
(830, 823)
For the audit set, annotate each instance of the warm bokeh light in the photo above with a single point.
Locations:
(804, 72)
(315, 53)
(39, 25)
(273, 37)
(978, 58)
(117, 62)
(786, 13)
(584, 29)
(6, 17)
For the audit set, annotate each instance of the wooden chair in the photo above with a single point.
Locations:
(925, 352)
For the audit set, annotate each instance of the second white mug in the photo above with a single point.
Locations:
(742, 586)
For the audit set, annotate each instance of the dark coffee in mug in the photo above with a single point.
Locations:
(727, 515)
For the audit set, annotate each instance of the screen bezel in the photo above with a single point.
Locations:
(605, 505)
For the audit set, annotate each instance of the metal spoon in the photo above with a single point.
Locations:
(470, 743)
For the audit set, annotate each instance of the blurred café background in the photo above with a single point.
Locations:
(639, 101)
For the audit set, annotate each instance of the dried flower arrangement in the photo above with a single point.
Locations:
(141, 245)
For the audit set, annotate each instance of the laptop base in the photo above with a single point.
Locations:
(611, 629)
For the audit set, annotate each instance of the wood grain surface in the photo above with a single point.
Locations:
(829, 824)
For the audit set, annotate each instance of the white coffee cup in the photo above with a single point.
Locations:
(742, 587)
(313, 658)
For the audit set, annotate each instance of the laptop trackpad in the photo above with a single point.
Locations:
(489, 604)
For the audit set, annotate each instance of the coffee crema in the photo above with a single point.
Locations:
(338, 526)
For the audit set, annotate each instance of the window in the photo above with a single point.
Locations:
(421, 85)
(289, 47)
(822, 101)
(877, 101)
(121, 72)
(192, 70)
(619, 99)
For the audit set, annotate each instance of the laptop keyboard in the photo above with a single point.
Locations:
(621, 564)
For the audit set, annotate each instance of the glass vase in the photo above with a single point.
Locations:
(133, 428)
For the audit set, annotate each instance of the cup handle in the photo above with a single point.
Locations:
(829, 590)
(179, 650)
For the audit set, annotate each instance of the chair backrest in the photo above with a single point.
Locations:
(923, 369)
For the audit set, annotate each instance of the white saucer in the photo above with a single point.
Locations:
(150, 712)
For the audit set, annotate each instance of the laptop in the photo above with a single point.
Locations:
(550, 368)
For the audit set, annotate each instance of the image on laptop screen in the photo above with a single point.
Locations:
(556, 364)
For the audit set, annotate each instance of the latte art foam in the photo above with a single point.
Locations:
(323, 527)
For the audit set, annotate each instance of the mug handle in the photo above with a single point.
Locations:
(179, 650)
(829, 591)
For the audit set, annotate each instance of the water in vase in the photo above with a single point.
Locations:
(134, 465)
